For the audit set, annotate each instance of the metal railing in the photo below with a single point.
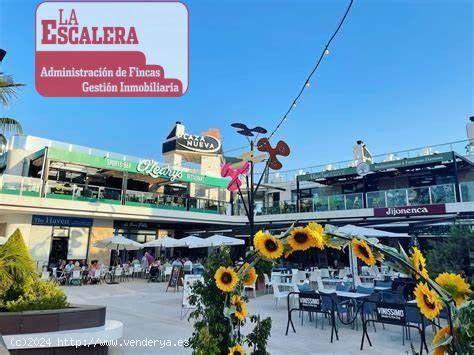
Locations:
(425, 195)
(463, 147)
(26, 186)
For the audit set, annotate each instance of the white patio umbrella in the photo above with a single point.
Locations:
(189, 241)
(218, 240)
(118, 242)
(354, 231)
(165, 242)
(350, 229)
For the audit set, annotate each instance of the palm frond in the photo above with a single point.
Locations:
(8, 124)
(8, 88)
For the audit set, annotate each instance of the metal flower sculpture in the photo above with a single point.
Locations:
(246, 131)
(281, 148)
(234, 174)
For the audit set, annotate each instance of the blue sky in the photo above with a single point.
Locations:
(399, 75)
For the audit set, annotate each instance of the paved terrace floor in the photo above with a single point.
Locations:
(147, 312)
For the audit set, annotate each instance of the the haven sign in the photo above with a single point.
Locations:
(112, 48)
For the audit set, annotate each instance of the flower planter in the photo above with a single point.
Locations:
(53, 331)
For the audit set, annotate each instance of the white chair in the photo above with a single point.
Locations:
(168, 270)
(268, 283)
(365, 270)
(76, 278)
(251, 288)
(319, 283)
(118, 272)
(137, 270)
(45, 275)
(324, 273)
(301, 276)
(278, 293)
(275, 276)
(96, 276)
(342, 273)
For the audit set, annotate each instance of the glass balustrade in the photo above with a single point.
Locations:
(467, 191)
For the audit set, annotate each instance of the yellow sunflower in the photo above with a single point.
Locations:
(301, 238)
(319, 235)
(363, 252)
(440, 336)
(419, 263)
(427, 300)
(455, 285)
(236, 350)
(250, 275)
(240, 307)
(267, 245)
(226, 279)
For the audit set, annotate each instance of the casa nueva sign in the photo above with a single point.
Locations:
(202, 144)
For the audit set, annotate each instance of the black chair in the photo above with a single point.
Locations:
(312, 302)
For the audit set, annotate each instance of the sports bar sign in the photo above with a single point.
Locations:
(410, 210)
(111, 48)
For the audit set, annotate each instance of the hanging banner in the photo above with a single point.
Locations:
(103, 48)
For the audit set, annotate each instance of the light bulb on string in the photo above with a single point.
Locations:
(307, 84)
(326, 51)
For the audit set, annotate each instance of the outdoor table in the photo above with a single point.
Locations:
(382, 288)
(352, 295)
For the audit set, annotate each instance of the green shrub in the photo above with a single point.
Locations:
(16, 265)
(20, 286)
(38, 295)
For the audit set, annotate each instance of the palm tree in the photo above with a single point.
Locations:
(8, 90)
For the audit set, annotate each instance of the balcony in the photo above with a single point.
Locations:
(426, 195)
(25, 186)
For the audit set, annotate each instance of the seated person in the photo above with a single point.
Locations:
(69, 267)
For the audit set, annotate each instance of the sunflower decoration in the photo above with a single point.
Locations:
(419, 263)
(320, 238)
(427, 301)
(455, 285)
(267, 245)
(363, 252)
(240, 307)
(236, 350)
(302, 238)
(440, 338)
(226, 279)
(250, 275)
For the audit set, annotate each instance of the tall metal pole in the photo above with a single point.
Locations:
(251, 198)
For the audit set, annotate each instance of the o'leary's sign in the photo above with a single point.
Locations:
(410, 210)
(145, 166)
(107, 48)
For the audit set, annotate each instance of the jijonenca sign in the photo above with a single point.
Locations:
(107, 48)
(410, 210)
(191, 142)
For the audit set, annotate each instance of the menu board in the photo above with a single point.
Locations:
(175, 280)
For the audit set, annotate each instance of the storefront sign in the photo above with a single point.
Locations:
(60, 221)
(136, 225)
(203, 144)
(390, 313)
(410, 210)
(145, 167)
(111, 48)
(394, 164)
